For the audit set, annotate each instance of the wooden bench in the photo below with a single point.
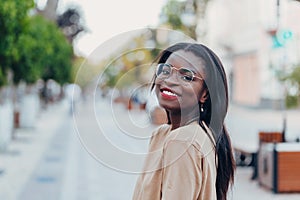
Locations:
(249, 158)
(272, 136)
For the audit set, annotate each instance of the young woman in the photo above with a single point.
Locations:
(191, 156)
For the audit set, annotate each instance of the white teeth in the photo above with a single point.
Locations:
(169, 93)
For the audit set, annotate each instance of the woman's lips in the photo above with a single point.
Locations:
(168, 94)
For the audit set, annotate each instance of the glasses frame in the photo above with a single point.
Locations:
(181, 68)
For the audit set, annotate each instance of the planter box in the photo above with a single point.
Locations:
(6, 124)
(28, 110)
(279, 166)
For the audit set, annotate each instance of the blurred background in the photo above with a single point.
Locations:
(63, 60)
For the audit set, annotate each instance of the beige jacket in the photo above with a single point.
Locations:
(180, 165)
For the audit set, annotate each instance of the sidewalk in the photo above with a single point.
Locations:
(85, 178)
(246, 189)
(26, 149)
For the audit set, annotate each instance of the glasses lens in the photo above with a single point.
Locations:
(163, 70)
(186, 75)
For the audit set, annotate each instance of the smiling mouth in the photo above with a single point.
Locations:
(168, 94)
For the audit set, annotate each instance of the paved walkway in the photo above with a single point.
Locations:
(52, 162)
(26, 150)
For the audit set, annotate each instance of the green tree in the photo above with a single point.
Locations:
(294, 79)
(175, 12)
(44, 52)
(84, 73)
(13, 19)
(131, 67)
(59, 63)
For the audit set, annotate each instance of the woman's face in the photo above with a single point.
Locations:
(173, 93)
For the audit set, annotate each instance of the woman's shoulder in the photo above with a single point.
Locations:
(163, 128)
(195, 136)
(160, 132)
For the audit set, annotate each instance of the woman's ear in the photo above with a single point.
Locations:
(203, 96)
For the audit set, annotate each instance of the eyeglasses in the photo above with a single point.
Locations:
(164, 70)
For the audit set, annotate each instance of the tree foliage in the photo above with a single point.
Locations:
(84, 72)
(43, 53)
(13, 19)
(31, 46)
(171, 15)
(174, 11)
(294, 76)
(294, 79)
(171, 12)
(131, 67)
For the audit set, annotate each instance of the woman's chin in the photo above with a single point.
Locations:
(169, 107)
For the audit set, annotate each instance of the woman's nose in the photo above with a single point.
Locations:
(173, 78)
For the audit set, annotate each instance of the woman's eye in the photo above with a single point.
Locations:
(187, 78)
(165, 72)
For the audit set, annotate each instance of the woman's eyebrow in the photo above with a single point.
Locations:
(193, 71)
(184, 67)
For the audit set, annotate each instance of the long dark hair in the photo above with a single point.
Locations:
(214, 110)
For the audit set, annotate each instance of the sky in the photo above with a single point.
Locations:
(105, 19)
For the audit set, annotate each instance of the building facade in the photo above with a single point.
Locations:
(242, 32)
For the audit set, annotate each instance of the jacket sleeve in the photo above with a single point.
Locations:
(182, 173)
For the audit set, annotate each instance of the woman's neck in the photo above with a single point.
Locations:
(182, 119)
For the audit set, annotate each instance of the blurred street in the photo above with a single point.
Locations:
(51, 161)
(53, 52)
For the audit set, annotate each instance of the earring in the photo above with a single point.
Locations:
(201, 108)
